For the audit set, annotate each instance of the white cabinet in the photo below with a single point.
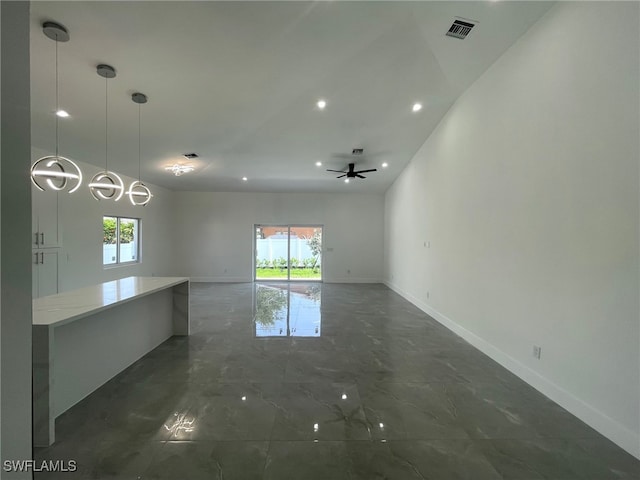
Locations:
(45, 242)
(44, 219)
(45, 272)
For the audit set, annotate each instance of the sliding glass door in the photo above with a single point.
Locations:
(288, 252)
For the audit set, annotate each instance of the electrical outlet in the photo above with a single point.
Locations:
(348, 272)
(537, 352)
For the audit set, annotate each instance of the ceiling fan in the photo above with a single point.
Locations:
(352, 173)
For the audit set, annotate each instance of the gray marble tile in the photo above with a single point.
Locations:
(132, 411)
(410, 411)
(490, 411)
(315, 366)
(354, 460)
(307, 460)
(564, 459)
(445, 459)
(192, 367)
(254, 365)
(104, 457)
(319, 411)
(234, 411)
(209, 460)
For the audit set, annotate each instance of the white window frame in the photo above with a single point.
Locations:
(137, 242)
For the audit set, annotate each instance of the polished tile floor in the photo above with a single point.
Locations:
(349, 382)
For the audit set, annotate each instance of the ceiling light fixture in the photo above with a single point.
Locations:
(178, 169)
(244, 179)
(321, 104)
(53, 171)
(416, 107)
(62, 113)
(139, 193)
(385, 165)
(318, 164)
(346, 180)
(106, 185)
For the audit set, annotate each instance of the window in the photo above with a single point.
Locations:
(121, 241)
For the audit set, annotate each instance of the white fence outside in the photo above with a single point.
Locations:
(273, 248)
(127, 253)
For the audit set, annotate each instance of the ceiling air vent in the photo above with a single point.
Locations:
(190, 155)
(357, 151)
(460, 29)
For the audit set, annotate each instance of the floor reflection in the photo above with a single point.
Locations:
(287, 310)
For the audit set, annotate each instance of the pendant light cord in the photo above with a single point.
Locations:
(106, 125)
(57, 102)
(139, 142)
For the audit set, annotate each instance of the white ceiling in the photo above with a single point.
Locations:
(237, 83)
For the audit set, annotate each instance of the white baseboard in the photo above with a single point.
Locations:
(613, 430)
(224, 279)
(353, 280)
(221, 280)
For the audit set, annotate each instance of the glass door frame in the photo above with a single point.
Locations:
(289, 227)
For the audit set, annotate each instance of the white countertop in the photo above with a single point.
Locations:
(69, 306)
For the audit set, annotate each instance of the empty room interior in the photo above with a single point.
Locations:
(320, 240)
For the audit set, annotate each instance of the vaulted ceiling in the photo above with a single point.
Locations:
(238, 82)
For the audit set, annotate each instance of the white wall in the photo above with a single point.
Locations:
(15, 292)
(528, 194)
(214, 232)
(80, 221)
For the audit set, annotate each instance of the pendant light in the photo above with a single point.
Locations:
(53, 172)
(106, 185)
(139, 193)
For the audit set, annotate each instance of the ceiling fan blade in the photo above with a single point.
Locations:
(360, 176)
(365, 171)
(342, 176)
(337, 171)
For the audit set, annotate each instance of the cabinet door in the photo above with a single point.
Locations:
(45, 210)
(45, 273)
(35, 268)
(35, 236)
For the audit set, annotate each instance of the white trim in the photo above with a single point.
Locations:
(610, 428)
(221, 279)
(352, 280)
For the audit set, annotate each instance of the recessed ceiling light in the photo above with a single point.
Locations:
(318, 164)
(244, 179)
(385, 165)
(416, 107)
(62, 113)
(321, 104)
(346, 180)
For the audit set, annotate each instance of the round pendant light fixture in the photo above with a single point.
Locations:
(106, 185)
(139, 193)
(54, 172)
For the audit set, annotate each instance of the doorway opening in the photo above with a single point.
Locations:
(288, 252)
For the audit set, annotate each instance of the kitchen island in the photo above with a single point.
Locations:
(85, 337)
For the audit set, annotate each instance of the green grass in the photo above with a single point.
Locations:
(282, 274)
